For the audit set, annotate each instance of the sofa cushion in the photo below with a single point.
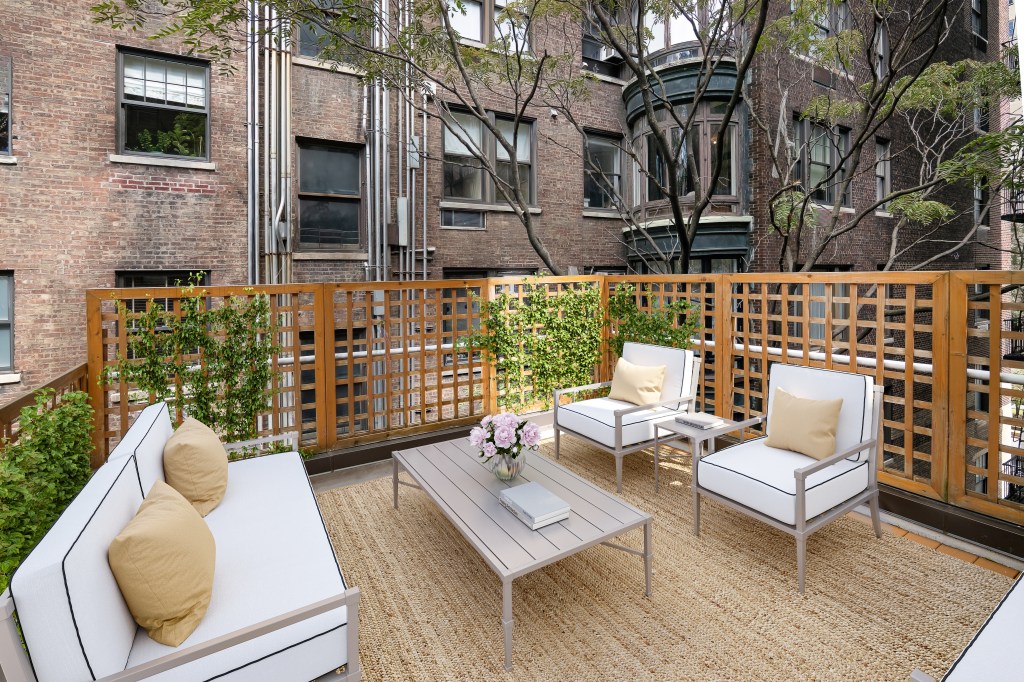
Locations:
(595, 419)
(804, 426)
(163, 562)
(678, 366)
(637, 384)
(987, 655)
(196, 465)
(761, 477)
(75, 622)
(814, 383)
(273, 556)
(145, 439)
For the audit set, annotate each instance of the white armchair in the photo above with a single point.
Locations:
(619, 427)
(790, 491)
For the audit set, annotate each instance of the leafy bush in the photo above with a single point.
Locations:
(673, 325)
(216, 362)
(41, 472)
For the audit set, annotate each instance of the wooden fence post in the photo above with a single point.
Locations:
(94, 361)
(943, 396)
(323, 345)
(722, 336)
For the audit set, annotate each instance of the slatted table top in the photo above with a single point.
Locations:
(466, 491)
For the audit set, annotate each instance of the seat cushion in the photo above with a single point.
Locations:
(678, 366)
(146, 439)
(761, 477)
(987, 655)
(75, 622)
(856, 391)
(273, 556)
(595, 419)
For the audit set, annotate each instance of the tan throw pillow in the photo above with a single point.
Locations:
(196, 465)
(637, 384)
(163, 562)
(802, 425)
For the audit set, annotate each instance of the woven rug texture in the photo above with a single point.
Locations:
(725, 606)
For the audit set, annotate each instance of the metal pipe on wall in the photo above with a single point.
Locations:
(364, 118)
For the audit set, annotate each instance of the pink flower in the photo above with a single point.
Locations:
(504, 436)
(486, 420)
(477, 436)
(531, 435)
(490, 450)
(508, 419)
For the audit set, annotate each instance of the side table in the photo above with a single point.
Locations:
(697, 438)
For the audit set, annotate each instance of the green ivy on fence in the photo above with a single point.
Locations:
(213, 361)
(674, 324)
(41, 472)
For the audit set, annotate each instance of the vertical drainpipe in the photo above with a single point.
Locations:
(254, 135)
(423, 179)
(250, 213)
(272, 161)
(286, 172)
(366, 175)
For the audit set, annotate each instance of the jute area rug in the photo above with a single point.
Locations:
(724, 606)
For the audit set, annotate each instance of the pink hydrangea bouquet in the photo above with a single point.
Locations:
(504, 436)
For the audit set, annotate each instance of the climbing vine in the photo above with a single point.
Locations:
(673, 324)
(213, 361)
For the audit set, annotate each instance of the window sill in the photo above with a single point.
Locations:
(471, 43)
(10, 378)
(601, 213)
(834, 71)
(8, 160)
(842, 209)
(158, 161)
(464, 229)
(336, 67)
(330, 255)
(484, 208)
(602, 77)
(883, 214)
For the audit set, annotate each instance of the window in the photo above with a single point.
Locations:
(6, 81)
(163, 106)
(602, 171)
(471, 24)
(821, 152)
(484, 22)
(818, 306)
(979, 24)
(510, 28)
(980, 118)
(980, 203)
(6, 321)
(462, 220)
(465, 141)
(881, 50)
(883, 176)
(687, 167)
(329, 196)
(148, 279)
(314, 38)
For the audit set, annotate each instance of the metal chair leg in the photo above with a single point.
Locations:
(876, 518)
(801, 560)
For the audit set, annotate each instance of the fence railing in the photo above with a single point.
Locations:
(10, 414)
(364, 362)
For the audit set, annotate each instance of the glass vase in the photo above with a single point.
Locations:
(507, 467)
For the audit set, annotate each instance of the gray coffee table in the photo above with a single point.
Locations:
(467, 493)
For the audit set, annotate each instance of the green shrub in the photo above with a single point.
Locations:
(674, 324)
(41, 473)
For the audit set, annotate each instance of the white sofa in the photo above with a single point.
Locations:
(281, 609)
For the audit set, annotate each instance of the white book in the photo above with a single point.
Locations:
(534, 505)
(699, 420)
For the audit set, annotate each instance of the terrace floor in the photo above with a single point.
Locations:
(725, 605)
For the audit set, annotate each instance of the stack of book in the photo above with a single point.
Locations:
(699, 420)
(534, 505)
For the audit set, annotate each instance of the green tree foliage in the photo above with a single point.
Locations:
(41, 472)
(214, 361)
(672, 325)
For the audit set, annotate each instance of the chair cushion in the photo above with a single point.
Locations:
(637, 384)
(986, 657)
(74, 620)
(595, 419)
(804, 426)
(761, 477)
(196, 465)
(163, 562)
(814, 383)
(145, 439)
(273, 556)
(678, 366)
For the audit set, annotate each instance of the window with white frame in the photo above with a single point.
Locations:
(490, 21)
(469, 22)
(329, 195)
(164, 105)
(883, 173)
(463, 143)
(510, 28)
(6, 82)
(466, 141)
(520, 139)
(6, 321)
(602, 170)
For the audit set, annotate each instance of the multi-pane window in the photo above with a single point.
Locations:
(164, 106)
(695, 156)
(821, 152)
(6, 81)
(880, 51)
(486, 21)
(329, 196)
(883, 172)
(466, 142)
(980, 203)
(6, 321)
(980, 117)
(470, 24)
(510, 30)
(315, 36)
(148, 279)
(687, 164)
(817, 308)
(979, 23)
(602, 171)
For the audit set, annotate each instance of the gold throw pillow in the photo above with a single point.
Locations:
(803, 425)
(637, 384)
(196, 465)
(163, 562)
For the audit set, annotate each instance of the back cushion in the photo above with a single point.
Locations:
(75, 622)
(145, 439)
(822, 384)
(678, 366)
